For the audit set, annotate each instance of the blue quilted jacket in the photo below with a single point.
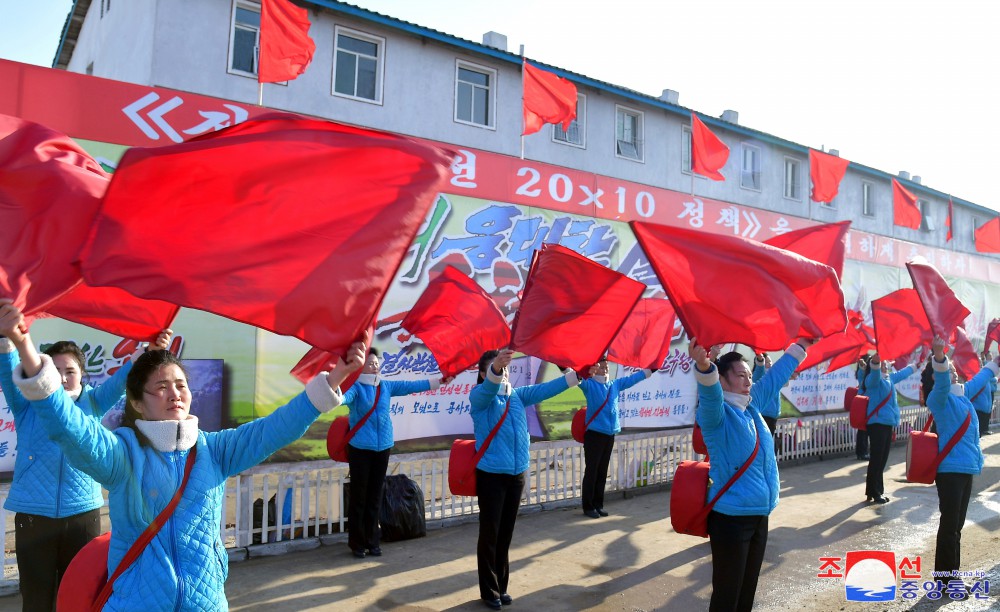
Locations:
(508, 452)
(185, 565)
(877, 389)
(769, 406)
(608, 420)
(979, 389)
(44, 481)
(376, 433)
(731, 434)
(949, 412)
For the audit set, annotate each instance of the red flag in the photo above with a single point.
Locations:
(943, 308)
(849, 342)
(964, 357)
(547, 99)
(285, 46)
(50, 190)
(905, 211)
(950, 220)
(900, 324)
(826, 172)
(458, 321)
(708, 153)
(988, 236)
(317, 360)
(823, 243)
(644, 339)
(571, 308)
(731, 289)
(114, 311)
(844, 359)
(290, 224)
(992, 334)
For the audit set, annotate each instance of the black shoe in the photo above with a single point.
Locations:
(602, 511)
(375, 552)
(506, 599)
(360, 554)
(494, 604)
(878, 499)
(591, 513)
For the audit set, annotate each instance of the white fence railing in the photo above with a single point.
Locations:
(309, 496)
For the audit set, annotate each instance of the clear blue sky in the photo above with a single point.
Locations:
(893, 84)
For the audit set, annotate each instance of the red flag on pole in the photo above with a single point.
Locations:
(644, 339)
(849, 342)
(992, 334)
(900, 324)
(290, 224)
(316, 361)
(823, 243)
(571, 308)
(988, 236)
(547, 99)
(708, 153)
(458, 321)
(905, 211)
(943, 308)
(826, 172)
(114, 311)
(285, 46)
(964, 356)
(731, 289)
(950, 220)
(50, 190)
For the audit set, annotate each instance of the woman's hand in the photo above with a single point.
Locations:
(937, 346)
(699, 355)
(348, 363)
(162, 341)
(12, 323)
(446, 380)
(501, 361)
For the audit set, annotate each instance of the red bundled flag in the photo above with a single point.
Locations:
(905, 211)
(285, 46)
(823, 243)
(458, 321)
(826, 172)
(547, 99)
(708, 153)
(644, 339)
(950, 221)
(900, 324)
(731, 289)
(290, 224)
(964, 356)
(992, 334)
(316, 361)
(988, 236)
(571, 308)
(943, 308)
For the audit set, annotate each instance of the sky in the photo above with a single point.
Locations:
(892, 84)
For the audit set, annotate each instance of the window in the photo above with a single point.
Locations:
(686, 150)
(575, 134)
(926, 221)
(628, 133)
(793, 189)
(750, 174)
(474, 94)
(357, 67)
(867, 199)
(245, 40)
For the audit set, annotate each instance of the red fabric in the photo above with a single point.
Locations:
(114, 311)
(992, 334)
(50, 190)
(547, 99)
(731, 289)
(285, 46)
(950, 220)
(849, 342)
(571, 308)
(458, 321)
(644, 339)
(943, 308)
(708, 153)
(905, 211)
(988, 236)
(964, 356)
(826, 172)
(900, 324)
(823, 243)
(844, 359)
(293, 225)
(316, 361)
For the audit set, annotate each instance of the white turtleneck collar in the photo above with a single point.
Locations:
(369, 379)
(76, 394)
(739, 400)
(958, 389)
(170, 436)
(601, 379)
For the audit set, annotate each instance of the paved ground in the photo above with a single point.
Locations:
(633, 561)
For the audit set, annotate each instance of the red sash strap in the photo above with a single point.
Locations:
(872, 414)
(489, 438)
(598, 411)
(976, 394)
(732, 480)
(951, 443)
(364, 419)
(146, 536)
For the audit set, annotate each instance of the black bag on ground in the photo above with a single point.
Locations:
(258, 516)
(402, 514)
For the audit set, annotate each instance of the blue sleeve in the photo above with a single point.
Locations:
(406, 387)
(351, 396)
(620, 384)
(901, 375)
(873, 378)
(860, 375)
(758, 372)
(483, 393)
(532, 394)
(710, 406)
(15, 401)
(774, 379)
(107, 394)
(937, 399)
(981, 381)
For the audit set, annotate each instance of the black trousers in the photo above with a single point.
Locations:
(45, 546)
(880, 437)
(984, 423)
(597, 449)
(499, 500)
(738, 544)
(861, 443)
(954, 492)
(367, 482)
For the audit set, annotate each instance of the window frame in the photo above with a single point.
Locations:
(744, 147)
(379, 42)
(638, 144)
(581, 126)
(797, 184)
(687, 149)
(249, 6)
(868, 199)
(491, 96)
(926, 220)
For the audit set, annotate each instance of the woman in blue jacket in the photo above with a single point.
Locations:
(950, 407)
(883, 415)
(860, 435)
(57, 507)
(605, 423)
(142, 464)
(981, 395)
(500, 472)
(368, 450)
(729, 417)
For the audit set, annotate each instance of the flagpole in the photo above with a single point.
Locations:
(522, 102)
(260, 94)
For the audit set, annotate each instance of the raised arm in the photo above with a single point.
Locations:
(777, 376)
(710, 405)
